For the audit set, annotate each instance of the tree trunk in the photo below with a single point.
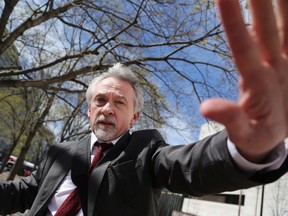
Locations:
(8, 155)
(19, 163)
(34, 129)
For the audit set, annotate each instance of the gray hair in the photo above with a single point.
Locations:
(121, 72)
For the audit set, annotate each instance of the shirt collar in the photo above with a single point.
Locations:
(94, 139)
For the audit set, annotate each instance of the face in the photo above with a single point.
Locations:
(111, 111)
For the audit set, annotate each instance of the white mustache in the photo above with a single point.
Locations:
(109, 120)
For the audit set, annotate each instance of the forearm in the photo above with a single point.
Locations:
(201, 168)
(273, 161)
(17, 196)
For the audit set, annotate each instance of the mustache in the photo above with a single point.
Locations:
(106, 120)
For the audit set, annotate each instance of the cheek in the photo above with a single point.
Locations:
(121, 118)
(128, 119)
(91, 119)
(92, 115)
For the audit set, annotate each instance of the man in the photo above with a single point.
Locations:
(129, 177)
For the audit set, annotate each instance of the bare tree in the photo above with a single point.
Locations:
(17, 114)
(277, 202)
(175, 47)
(31, 132)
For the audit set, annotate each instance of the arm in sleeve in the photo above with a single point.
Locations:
(17, 196)
(204, 167)
(273, 162)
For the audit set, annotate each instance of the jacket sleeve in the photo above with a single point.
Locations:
(204, 167)
(18, 195)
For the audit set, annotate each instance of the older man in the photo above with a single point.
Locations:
(128, 171)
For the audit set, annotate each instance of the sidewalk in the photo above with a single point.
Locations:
(3, 177)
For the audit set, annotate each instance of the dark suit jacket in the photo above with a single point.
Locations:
(129, 178)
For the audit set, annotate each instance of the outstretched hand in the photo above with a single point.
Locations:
(258, 122)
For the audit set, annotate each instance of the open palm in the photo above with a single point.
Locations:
(258, 122)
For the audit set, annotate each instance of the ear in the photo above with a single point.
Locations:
(134, 119)
(88, 112)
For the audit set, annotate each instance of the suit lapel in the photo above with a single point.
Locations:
(81, 162)
(98, 173)
(80, 165)
(54, 177)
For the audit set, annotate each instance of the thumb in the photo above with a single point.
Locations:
(228, 114)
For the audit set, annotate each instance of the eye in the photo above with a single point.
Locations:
(119, 102)
(100, 101)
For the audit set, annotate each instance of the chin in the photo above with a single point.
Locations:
(105, 135)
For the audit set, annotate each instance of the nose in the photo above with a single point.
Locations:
(108, 109)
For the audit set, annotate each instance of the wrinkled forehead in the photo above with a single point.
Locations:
(116, 87)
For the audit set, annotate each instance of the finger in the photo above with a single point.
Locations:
(265, 30)
(283, 24)
(228, 114)
(245, 53)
